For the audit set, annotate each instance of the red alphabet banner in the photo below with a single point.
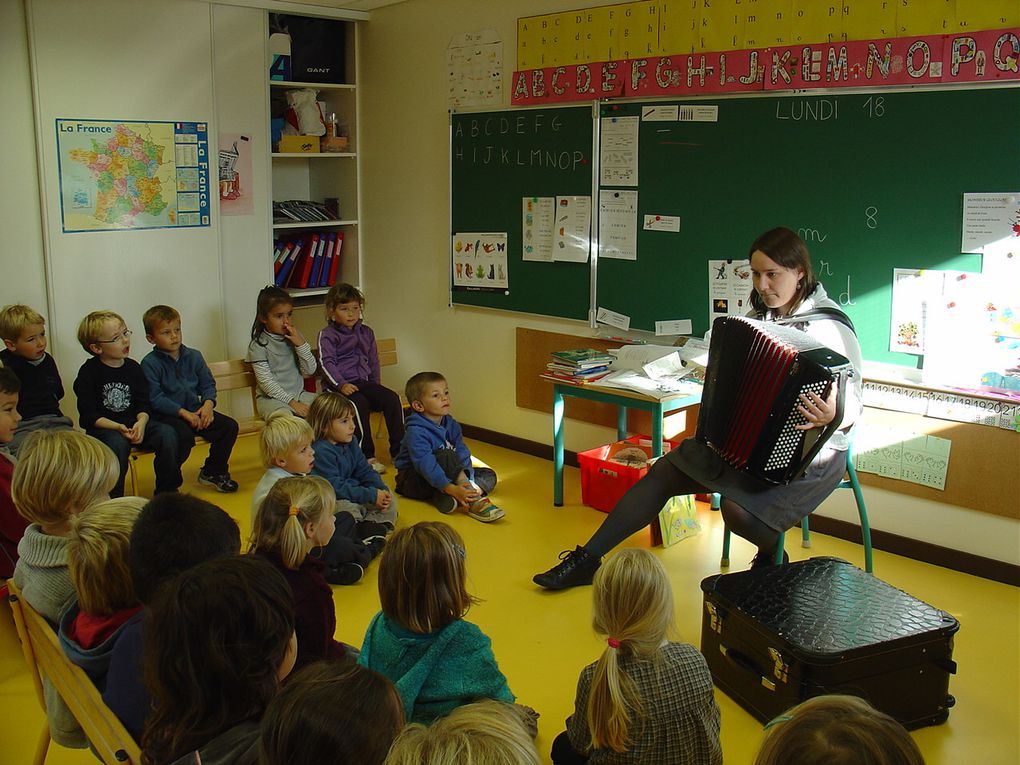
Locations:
(988, 56)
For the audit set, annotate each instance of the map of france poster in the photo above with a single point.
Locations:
(132, 175)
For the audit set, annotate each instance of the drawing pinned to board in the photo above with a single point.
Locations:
(618, 224)
(572, 234)
(479, 261)
(912, 291)
(474, 65)
(537, 221)
(618, 151)
(235, 174)
(729, 288)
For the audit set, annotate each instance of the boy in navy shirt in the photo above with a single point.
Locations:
(182, 393)
(113, 401)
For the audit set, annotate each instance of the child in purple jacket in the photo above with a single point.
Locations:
(350, 365)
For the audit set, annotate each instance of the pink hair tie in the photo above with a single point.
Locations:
(613, 642)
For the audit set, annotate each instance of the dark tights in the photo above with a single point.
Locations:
(643, 501)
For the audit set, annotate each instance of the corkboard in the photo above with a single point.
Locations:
(533, 349)
(984, 463)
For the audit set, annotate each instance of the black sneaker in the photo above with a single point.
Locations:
(223, 483)
(577, 567)
(444, 503)
(344, 573)
(375, 545)
(367, 529)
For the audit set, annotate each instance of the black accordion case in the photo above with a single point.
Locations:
(778, 635)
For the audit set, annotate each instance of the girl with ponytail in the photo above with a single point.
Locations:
(646, 699)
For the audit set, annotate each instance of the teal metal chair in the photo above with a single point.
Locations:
(850, 482)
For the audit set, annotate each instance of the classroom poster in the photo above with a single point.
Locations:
(729, 288)
(912, 292)
(572, 234)
(235, 174)
(479, 261)
(474, 66)
(618, 224)
(618, 151)
(537, 221)
(990, 220)
(119, 174)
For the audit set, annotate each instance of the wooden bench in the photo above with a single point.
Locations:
(44, 656)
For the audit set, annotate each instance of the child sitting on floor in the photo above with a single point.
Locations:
(646, 699)
(420, 640)
(434, 463)
(338, 458)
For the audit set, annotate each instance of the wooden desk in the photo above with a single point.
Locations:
(623, 400)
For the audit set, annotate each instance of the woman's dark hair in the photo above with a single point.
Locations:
(215, 640)
(269, 297)
(788, 250)
(331, 711)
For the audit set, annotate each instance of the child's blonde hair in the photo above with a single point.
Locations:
(97, 556)
(281, 518)
(342, 293)
(327, 407)
(482, 733)
(632, 604)
(91, 326)
(60, 473)
(837, 730)
(422, 577)
(282, 432)
(15, 317)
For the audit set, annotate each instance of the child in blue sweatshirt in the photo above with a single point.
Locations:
(339, 459)
(434, 463)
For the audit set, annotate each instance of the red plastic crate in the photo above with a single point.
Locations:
(604, 482)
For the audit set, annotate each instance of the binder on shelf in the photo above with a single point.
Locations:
(294, 250)
(320, 258)
(327, 261)
(334, 267)
(306, 267)
(280, 252)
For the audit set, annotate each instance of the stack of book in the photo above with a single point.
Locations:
(308, 260)
(302, 211)
(579, 365)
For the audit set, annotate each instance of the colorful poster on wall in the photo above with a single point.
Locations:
(729, 288)
(474, 66)
(479, 261)
(235, 174)
(116, 175)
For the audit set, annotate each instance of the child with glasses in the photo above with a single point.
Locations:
(113, 401)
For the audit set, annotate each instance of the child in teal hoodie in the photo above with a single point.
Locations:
(419, 640)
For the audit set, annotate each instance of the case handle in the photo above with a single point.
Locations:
(743, 661)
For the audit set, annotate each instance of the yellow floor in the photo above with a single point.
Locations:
(543, 639)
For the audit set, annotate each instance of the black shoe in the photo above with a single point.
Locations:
(375, 544)
(223, 483)
(367, 529)
(444, 503)
(344, 573)
(577, 567)
(761, 560)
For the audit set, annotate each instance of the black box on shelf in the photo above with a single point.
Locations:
(317, 47)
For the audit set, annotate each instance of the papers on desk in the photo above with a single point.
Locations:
(655, 370)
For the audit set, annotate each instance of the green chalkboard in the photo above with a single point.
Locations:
(499, 158)
(872, 181)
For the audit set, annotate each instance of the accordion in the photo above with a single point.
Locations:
(756, 373)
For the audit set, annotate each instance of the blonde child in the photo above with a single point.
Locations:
(286, 446)
(482, 733)
(279, 356)
(218, 643)
(106, 606)
(12, 523)
(113, 401)
(837, 730)
(338, 458)
(420, 640)
(434, 463)
(59, 474)
(295, 517)
(350, 365)
(646, 699)
(23, 331)
(331, 712)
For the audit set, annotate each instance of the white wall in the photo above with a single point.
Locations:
(405, 209)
